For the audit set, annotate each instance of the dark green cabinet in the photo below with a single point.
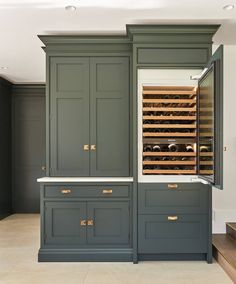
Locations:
(89, 116)
(63, 223)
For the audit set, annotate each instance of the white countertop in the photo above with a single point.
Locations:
(85, 179)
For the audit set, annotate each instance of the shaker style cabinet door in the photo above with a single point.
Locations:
(109, 116)
(108, 223)
(65, 223)
(69, 116)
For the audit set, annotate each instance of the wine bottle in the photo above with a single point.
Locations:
(204, 149)
(147, 167)
(176, 97)
(186, 130)
(156, 148)
(147, 122)
(147, 148)
(147, 158)
(173, 148)
(189, 148)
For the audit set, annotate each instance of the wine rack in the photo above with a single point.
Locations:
(169, 130)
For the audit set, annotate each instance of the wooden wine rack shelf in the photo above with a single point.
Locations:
(167, 126)
(168, 101)
(160, 117)
(206, 154)
(172, 109)
(168, 134)
(172, 154)
(187, 163)
(168, 92)
(171, 172)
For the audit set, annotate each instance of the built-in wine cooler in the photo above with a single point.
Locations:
(170, 137)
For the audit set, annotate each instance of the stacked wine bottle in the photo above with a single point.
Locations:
(169, 115)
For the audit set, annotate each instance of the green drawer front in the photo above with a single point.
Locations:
(68, 191)
(166, 198)
(187, 234)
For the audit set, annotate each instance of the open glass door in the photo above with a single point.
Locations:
(210, 122)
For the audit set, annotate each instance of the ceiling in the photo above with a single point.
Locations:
(22, 20)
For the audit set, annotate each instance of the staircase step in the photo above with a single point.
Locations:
(231, 230)
(224, 251)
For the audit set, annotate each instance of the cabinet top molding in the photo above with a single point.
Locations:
(171, 29)
(139, 33)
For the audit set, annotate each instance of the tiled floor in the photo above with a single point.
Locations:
(19, 243)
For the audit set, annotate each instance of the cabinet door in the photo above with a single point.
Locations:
(210, 126)
(109, 113)
(69, 116)
(108, 223)
(63, 223)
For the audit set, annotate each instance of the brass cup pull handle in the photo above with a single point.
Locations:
(86, 147)
(107, 191)
(172, 186)
(83, 223)
(66, 191)
(172, 218)
(93, 147)
(90, 223)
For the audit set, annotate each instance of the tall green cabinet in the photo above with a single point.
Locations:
(94, 206)
(89, 116)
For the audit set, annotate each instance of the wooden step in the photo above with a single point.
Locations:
(231, 230)
(224, 251)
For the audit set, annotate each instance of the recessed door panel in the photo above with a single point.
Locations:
(69, 119)
(109, 112)
(63, 223)
(172, 233)
(109, 223)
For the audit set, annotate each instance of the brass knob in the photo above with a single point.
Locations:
(86, 147)
(90, 223)
(172, 218)
(172, 185)
(66, 191)
(107, 191)
(43, 168)
(93, 147)
(82, 222)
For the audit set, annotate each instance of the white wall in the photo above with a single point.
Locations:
(224, 201)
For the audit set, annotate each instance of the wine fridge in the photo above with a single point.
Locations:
(177, 123)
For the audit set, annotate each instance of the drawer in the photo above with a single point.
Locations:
(187, 234)
(68, 191)
(167, 198)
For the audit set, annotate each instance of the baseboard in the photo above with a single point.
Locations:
(85, 255)
(175, 256)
